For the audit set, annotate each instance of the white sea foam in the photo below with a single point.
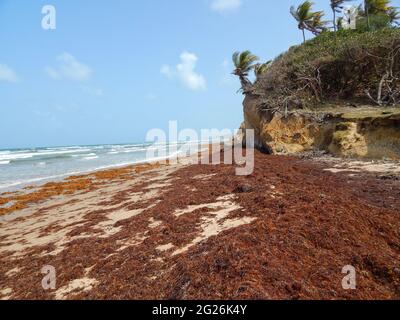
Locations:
(67, 148)
(27, 155)
(15, 156)
(87, 155)
(41, 164)
(4, 162)
(90, 158)
(133, 150)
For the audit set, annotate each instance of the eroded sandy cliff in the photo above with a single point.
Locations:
(364, 132)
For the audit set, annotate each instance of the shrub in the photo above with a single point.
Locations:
(348, 64)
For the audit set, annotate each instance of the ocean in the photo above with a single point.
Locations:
(22, 167)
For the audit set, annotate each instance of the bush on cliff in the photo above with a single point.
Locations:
(346, 65)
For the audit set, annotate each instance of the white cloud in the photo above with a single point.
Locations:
(69, 68)
(52, 73)
(185, 72)
(7, 74)
(166, 71)
(223, 6)
(91, 90)
(151, 96)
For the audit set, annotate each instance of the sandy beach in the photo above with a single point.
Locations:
(200, 232)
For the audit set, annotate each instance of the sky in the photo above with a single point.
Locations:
(112, 70)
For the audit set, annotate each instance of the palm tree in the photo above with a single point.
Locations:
(337, 6)
(378, 6)
(374, 7)
(367, 4)
(394, 15)
(304, 15)
(244, 63)
(261, 68)
(317, 25)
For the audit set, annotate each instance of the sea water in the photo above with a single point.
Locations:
(22, 167)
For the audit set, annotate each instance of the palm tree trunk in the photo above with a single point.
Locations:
(245, 83)
(366, 4)
(304, 35)
(334, 20)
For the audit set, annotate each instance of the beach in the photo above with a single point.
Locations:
(200, 157)
(190, 231)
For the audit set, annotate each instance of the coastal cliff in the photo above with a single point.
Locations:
(337, 93)
(364, 132)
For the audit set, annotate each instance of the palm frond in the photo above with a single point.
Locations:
(303, 12)
(317, 24)
(338, 5)
(261, 68)
(377, 6)
(244, 62)
(394, 15)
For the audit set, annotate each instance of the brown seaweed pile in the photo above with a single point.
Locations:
(304, 224)
(71, 185)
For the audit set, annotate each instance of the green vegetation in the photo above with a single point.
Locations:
(244, 62)
(360, 65)
(376, 14)
(347, 65)
(372, 114)
(371, 15)
(394, 16)
(307, 19)
(261, 68)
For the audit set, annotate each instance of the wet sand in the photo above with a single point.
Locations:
(200, 232)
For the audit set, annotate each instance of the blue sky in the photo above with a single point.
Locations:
(112, 70)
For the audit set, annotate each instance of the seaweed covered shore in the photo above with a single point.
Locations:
(201, 232)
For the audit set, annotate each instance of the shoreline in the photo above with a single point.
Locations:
(15, 187)
(29, 194)
(51, 177)
(37, 182)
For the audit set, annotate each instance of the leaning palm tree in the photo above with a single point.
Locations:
(337, 6)
(244, 62)
(261, 68)
(317, 25)
(303, 15)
